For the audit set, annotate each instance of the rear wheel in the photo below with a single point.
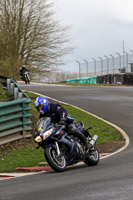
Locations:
(57, 163)
(92, 158)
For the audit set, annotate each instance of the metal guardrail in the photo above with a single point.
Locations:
(14, 115)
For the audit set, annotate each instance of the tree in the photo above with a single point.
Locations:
(30, 35)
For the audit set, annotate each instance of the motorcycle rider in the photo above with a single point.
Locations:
(22, 70)
(59, 115)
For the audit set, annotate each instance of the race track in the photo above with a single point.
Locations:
(111, 179)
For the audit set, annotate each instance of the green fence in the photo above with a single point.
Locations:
(92, 80)
(14, 115)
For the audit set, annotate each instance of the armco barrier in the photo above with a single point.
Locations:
(92, 80)
(120, 79)
(14, 115)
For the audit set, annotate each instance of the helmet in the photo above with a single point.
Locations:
(23, 66)
(41, 101)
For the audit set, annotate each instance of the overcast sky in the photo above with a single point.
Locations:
(99, 27)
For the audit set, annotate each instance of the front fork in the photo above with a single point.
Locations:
(58, 149)
(55, 146)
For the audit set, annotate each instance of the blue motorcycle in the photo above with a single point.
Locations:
(62, 149)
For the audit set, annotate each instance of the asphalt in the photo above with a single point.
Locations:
(111, 179)
(25, 171)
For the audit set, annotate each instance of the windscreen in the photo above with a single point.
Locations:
(43, 123)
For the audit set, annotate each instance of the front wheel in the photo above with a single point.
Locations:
(28, 79)
(92, 158)
(57, 163)
(25, 79)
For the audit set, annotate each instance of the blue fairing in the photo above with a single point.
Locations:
(45, 124)
(66, 139)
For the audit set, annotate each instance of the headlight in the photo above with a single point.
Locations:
(38, 139)
(47, 133)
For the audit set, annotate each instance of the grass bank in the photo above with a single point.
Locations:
(4, 95)
(24, 153)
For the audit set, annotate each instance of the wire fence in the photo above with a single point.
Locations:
(107, 65)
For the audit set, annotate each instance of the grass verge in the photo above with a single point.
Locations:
(24, 153)
(83, 84)
(4, 95)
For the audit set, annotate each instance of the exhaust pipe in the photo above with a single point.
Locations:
(93, 140)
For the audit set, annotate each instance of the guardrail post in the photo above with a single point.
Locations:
(15, 93)
(20, 95)
(26, 115)
(12, 88)
(8, 84)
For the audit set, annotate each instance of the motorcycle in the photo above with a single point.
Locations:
(26, 77)
(62, 149)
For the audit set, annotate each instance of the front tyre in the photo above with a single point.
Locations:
(92, 158)
(28, 79)
(57, 163)
(25, 79)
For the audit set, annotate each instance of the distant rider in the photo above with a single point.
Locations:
(22, 70)
(59, 115)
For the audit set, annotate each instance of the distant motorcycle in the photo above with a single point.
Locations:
(26, 77)
(62, 149)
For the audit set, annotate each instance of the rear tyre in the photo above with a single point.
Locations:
(57, 163)
(92, 158)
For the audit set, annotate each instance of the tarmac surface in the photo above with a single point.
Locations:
(25, 171)
(111, 179)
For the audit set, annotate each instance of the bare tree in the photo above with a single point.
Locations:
(30, 34)
(59, 76)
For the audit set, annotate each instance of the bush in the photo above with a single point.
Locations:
(4, 95)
